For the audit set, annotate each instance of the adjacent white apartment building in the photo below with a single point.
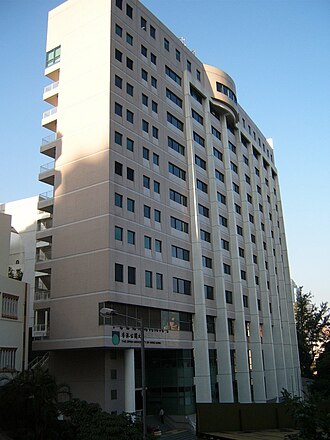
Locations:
(14, 296)
(164, 204)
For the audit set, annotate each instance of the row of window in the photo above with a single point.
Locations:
(149, 278)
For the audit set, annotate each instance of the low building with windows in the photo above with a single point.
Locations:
(13, 310)
(164, 205)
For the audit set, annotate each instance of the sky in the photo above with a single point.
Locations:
(277, 52)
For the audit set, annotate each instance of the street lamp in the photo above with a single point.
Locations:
(106, 312)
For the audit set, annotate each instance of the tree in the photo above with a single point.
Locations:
(29, 406)
(312, 324)
(321, 385)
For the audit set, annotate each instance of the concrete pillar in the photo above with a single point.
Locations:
(129, 372)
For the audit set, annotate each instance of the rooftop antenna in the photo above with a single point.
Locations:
(183, 40)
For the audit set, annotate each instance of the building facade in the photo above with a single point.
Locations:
(164, 205)
(14, 303)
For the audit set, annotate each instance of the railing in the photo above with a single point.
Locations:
(47, 166)
(44, 255)
(48, 195)
(51, 87)
(46, 223)
(49, 112)
(40, 330)
(41, 294)
(51, 138)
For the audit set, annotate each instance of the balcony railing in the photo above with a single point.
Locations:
(41, 294)
(40, 330)
(51, 138)
(44, 255)
(47, 166)
(45, 223)
(49, 112)
(48, 195)
(50, 87)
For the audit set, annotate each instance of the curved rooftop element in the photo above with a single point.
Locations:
(223, 89)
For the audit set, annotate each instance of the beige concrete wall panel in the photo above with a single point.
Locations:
(89, 170)
(80, 274)
(80, 205)
(87, 236)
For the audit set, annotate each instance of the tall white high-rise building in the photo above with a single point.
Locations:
(164, 205)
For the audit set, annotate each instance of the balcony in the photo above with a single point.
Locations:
(47, 173)
(49, 144)
(46, 201)
(44, 224)
(41, 294)
(40, 331)
(49, 119)
(50, 94)
(43, 254)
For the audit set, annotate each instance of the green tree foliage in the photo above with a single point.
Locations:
(312, 420)
(92, 423)
(15, 274)
(321, 385)
(29, 406)
(312, 323)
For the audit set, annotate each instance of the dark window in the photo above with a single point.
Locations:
(166, 44)
(152, 32)
(119, 168)
(130, 116)
(118, 55)
(118, 200)
(208, 292)
(129, 89)
(155, 132)
(235, 187)
(159, 281)
(226, 91)
(175, 145)
(223, 221)
(174, 98)
(178, 224)
(221, 198)
(147, 242)
(146, 182)
(144, 99)
(174, 121)
(148, 278)
(144, 74)
(154, 106)
(118, 138)
(176, 78)
(226, 269)
(144, 50)
(238, 209)
(245, 301)
(203, 210)
(119, 4)
(154, 82)
(188, 66)
(176, 171)
(229, 296)
(232, 147)
(198, 139)
(216, 133)
(145, 126)
(177, 55)
(119, 272)
(178, 198)
(220, 176)
(153, 58)
(201, 186)
(118, 109)
(129, 11)
(53, 56)
(143, 24)
(207, 262)
(118, 82)
(181, 286)
(241, 252)
(147, 211)
(196, 95)
(205, 236)
(130, 237)
(198, 75)
(157, 216)
(239, 230)
(225, 244)
(130, 174)
(200, 162)
(197, 116)
(233, 166)
(156, 187)
(129, 63)
(129, 39)
(130, 205)
(180, 253)
(130, 144)
(131, 275)
(118, 233)
(119, 30)
(155, 158)
(243, 275)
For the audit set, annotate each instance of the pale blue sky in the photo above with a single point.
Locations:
(277, 52)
